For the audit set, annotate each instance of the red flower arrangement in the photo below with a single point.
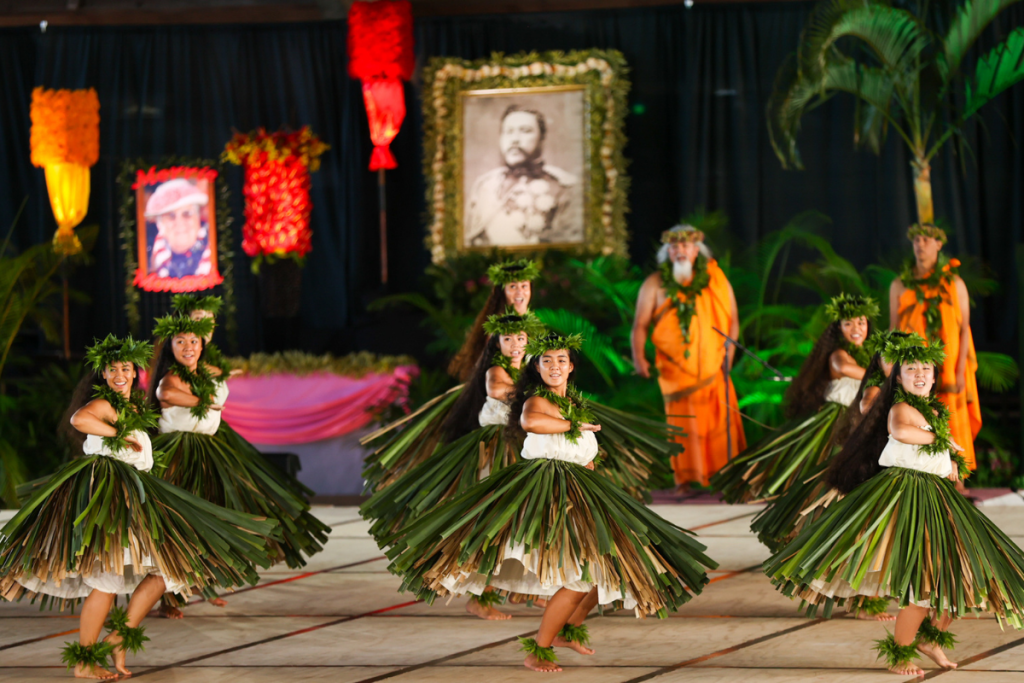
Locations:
(276, 190)
(380, 54)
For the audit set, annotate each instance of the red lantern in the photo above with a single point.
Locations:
(380, 55)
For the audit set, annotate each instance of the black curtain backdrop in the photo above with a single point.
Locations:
(700, 78)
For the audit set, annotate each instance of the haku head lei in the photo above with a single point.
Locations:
(186, 303)
(114, 350)
(171, 326)
(681, 235)
(501, 274)
(875, 344)
(926, 230)
(538, 346)
(513, 323)
(912, 349)
(851, 307)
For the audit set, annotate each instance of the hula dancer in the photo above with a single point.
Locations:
(900, 529)
(423, 430)
(818, 397)
(549, 525)
(145, 537)
(200, 308)
(211, 460)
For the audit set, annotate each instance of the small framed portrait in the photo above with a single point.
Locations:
(177, 231)
(524, 167)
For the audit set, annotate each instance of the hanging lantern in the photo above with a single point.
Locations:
(276, 190)
(380, 55)
(65, 142)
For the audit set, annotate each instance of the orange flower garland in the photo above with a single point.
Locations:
(65, 141)
(276, 190)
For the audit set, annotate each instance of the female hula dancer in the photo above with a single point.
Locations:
(816, 401)
(209, 459)
(476, 427)
(423, 431)
(103, 526)
(900, 529)
(549, 525)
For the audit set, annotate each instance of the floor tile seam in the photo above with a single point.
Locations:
(271, 639)
(975, 658)
(725, 651)
(722, 521)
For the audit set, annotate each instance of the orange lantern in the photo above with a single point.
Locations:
(65, 143)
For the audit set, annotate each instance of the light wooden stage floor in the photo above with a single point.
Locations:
(342, 620)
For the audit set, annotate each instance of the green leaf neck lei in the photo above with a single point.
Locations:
(214, 358)
(201, 383)
(936, 414)
(133, 415)
(876, 379)
(572, 407)
(943, 274)
(686, 304)
(502, 361)
(859, 354)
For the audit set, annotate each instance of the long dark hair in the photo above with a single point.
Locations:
(163, 359)
(529, 379)
(807, 392)
(464, 362)
(852, 416)
(464, 416)
(82, 394)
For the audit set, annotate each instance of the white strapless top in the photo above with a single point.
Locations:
(899, 454)
(180, 419)
(494, 412)
(558, 447)
(142, 461)
(842, 391)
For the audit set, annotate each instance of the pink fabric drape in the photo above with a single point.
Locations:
(287, 409)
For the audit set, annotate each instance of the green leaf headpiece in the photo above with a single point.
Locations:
(851, 306)
(503, 273)
(513, 323)
(677, 236)
(114, 350)
(927, 230)
(913, 349)
(186, 303)
(172, 325)
(540, 345)
(877, 341)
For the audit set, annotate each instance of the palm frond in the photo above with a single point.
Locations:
(791, 96)
(895, 36)
(997, 71)
(597, 347)
(996, 371)
(970, 20)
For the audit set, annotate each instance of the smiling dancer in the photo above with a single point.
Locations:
(816, 400)
(145, 538)
(549, 525)
(901, 529)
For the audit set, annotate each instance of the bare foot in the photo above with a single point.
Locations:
(579, 647)
(533, 664)
(488, 612)
(540, 602)
(218, 602)
(118, 654)
(936, 654)
(884, 616)
(169, 611)
(93, 671)
(907, 669)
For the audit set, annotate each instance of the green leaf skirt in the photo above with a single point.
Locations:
(407, 442)
(575, 526)
(448, 471)
(908, 535)
(636, 451)
(227, 470)
(781, 459)
(789, 512)
(79, 522)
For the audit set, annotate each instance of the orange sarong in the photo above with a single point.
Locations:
(964, 408)
(693, 385)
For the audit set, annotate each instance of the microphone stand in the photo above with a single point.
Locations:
(729, 340)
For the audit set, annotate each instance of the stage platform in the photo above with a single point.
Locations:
(342, 620)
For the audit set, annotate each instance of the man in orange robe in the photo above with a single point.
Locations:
(931, 282)
(685, 301)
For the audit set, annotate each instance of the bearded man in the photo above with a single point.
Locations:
(685, 300)
(930, 298)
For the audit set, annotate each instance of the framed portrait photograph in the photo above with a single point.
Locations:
(176, 230)
(524, 167)
(525, 153)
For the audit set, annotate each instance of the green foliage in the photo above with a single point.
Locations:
(893, 653)
(300, 363)
(543, 654)
(997, 372)
(576, 634)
